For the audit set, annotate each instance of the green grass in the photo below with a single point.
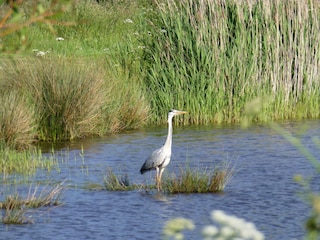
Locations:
(24, 162)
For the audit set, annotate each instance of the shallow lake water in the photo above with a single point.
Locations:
(262, 190)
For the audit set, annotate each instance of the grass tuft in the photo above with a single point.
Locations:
(16, 207)
(17, 128)
(114, 182)
(198, 181)
(188, 181)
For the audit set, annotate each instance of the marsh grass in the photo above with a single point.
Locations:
(212, 57)
(73, 99)
(16, 207)
(198, 180)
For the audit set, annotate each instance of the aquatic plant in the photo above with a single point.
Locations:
(229, 228)
(16, 207)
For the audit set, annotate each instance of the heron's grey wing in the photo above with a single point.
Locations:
(155, 159)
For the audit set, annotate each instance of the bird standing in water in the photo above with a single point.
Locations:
(160, 158)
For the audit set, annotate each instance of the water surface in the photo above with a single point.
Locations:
(262, 191)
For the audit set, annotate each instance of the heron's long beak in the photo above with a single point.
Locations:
(181, 112)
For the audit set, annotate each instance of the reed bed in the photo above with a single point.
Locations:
(213, 57)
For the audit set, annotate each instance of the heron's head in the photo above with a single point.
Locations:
(174, 112)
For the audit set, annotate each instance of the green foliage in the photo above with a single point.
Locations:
(17, 16)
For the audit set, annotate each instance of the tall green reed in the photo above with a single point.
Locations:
(213, 57)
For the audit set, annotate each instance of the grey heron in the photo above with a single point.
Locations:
(160, 158)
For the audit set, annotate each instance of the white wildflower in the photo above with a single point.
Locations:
(40, 54)
(128, 20)
(175, 226)
(227, 231)
(237, 228)
(59, 39)
(210, 231)
(218, 216)
(163, 31)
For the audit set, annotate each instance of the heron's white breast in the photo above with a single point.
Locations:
(166, 161)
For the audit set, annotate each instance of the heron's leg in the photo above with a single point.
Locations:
(157, 177)
(160, 175)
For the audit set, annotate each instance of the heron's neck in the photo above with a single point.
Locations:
(168, 142)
